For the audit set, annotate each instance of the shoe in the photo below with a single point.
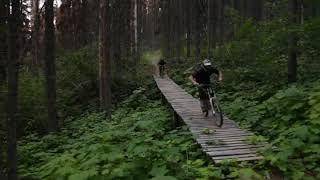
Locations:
(213, 112)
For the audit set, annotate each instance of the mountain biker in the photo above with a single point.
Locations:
(161, 65)
(201, 75)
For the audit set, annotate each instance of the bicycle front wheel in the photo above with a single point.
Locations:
(217, 113)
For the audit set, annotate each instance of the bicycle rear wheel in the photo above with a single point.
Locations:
(161, 71)
(217, 113)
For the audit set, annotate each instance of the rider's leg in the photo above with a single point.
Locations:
(161, 70)
(204, 100)
(208, 105)
(203, 105)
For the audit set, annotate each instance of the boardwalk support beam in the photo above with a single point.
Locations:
(163, 100)
(174, 119)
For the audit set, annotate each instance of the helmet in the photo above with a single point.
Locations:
(207, 62)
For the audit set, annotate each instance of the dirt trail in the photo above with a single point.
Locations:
(152, 58)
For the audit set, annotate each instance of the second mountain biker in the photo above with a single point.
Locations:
(201, 75)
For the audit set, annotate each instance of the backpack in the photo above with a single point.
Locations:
(198, 68)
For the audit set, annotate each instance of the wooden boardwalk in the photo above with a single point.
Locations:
(226, 143)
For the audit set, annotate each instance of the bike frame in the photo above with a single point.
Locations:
(211, 93)
(161, 70)
(209, 90)
(214, 103)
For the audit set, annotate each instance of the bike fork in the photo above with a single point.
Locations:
(211, 103)
(213, 111)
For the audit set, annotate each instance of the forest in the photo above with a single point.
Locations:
(78, 97)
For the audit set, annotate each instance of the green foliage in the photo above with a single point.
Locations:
(310, 46)
(256, 140)
(290, 119)
(257, 53)
(32, 108)
(247, 173)
(136, 144)
(77, 89)
(77, 81)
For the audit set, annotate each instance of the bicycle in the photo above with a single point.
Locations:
(161, 71)
(214, 104)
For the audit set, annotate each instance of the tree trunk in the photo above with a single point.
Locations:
(50, 68)
(84, 24)
(220, 22)
(3, 74)
(211, 26)
(255, 9)
(36, 29)
(179, 24)
(171, 28)
(139, 28)
(129, 45)
(168, 29)
(3, 39)
(293, 40)
(97, 20)
(2, 147)
(189, 25)
(135, 22)
(198, 30)
(13, 52)
(104, 59)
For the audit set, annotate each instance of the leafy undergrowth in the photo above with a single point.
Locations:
(137, 144)
(290, 119)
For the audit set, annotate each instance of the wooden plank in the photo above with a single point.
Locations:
(224, 136)
(241, 159)
(222, 133)
(244, 138)
(224, 142)
(231, 152)
(219, 131)
(211, 121)
(234, 156)
(217, 148)
(223, 139)
(221, 142)
(205, 140)
(216, 130)
(178, 95)
(203, 144)
(229, 147)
